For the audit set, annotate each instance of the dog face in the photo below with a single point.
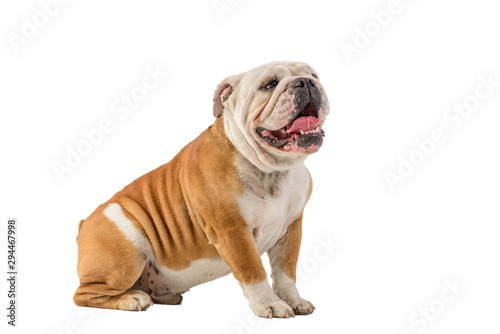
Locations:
(277, 110)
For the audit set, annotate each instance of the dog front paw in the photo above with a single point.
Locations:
(265, 303)
(300, 305)
(273, 309)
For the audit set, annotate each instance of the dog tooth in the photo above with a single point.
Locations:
(283, 131)
(301, 132)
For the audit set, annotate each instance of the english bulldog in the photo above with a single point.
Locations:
(232, 194)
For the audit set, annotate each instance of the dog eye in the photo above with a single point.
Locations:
(270, 85)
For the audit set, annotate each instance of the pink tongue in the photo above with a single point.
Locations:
(305, 124)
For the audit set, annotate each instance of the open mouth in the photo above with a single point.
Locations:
(304, 131)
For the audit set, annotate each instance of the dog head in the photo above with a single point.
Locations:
(274, 113)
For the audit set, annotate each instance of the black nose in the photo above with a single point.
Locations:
(301, 83)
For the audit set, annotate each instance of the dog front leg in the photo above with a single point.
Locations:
(238, 249)
(283, 257)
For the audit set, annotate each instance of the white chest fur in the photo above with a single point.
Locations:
(271, 201)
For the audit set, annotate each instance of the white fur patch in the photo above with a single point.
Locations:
(261, 292)
(271, 201)
(200, 271)
(115, 213)
(284, 285)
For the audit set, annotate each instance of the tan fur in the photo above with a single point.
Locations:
(108, 263)
(285, 254)
(169, 205)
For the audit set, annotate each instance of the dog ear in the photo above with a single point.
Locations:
(224, 89)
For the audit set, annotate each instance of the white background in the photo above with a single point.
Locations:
(396, 248)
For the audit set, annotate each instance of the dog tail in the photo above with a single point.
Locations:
(79, 228)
